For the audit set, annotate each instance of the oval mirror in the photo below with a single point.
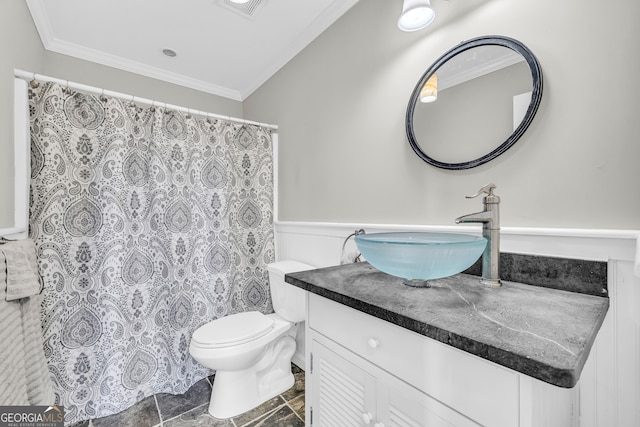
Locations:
(474, 102)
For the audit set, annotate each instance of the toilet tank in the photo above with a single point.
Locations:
(288, 300)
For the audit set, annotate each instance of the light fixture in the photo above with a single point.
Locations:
(416, 14)
(239, 1)
(429, 91)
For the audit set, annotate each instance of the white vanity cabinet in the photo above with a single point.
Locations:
(362, 371)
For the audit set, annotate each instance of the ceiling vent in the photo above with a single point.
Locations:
(247, 9)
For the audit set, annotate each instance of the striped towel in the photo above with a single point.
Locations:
(22, 269)
(24, 376)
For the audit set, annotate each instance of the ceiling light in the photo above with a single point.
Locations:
(239, 1)
(429, 91)
(416, 14)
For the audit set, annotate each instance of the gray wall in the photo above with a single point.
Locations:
(28, 54)
(22, 49)
(340, 105)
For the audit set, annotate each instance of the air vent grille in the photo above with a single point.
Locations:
(246, 9)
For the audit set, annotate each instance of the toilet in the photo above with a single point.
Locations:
(251, 352)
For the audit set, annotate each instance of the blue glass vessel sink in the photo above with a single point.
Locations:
(420, 256)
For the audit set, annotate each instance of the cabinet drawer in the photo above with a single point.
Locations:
(483, 391)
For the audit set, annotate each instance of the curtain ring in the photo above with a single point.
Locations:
(102, 97)
(33, 83)
(153, 106)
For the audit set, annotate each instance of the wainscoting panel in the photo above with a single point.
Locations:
(609, 388)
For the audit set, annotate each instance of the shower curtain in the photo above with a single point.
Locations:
(148, 223)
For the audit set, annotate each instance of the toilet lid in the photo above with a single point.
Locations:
(232, 330)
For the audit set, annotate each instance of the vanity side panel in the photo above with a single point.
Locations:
(544, 405)
(627, 333)
(610, 383)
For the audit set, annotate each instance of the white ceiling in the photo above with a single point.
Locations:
(220, 49)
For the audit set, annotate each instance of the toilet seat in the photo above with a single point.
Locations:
(232, 330)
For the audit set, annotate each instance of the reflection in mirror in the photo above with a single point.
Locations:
(474, 103)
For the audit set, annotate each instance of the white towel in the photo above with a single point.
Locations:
(24, 376)
(22, 269)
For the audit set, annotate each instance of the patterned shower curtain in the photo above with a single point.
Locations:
(148, 223)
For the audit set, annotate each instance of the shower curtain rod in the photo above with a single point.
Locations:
(28, 76)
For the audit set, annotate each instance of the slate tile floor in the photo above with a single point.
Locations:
(190, 410)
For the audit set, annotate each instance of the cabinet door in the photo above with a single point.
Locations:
(400, 405)
(347, 391)
(343, 395)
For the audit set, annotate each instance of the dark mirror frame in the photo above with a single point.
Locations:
(536, 96)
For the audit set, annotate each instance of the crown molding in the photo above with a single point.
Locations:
(120, 63)
(59, 46)
(51, 43)
(479, 70)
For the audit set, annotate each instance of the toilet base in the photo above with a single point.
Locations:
(236, 392)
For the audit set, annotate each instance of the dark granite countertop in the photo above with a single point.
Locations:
(542, 332)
